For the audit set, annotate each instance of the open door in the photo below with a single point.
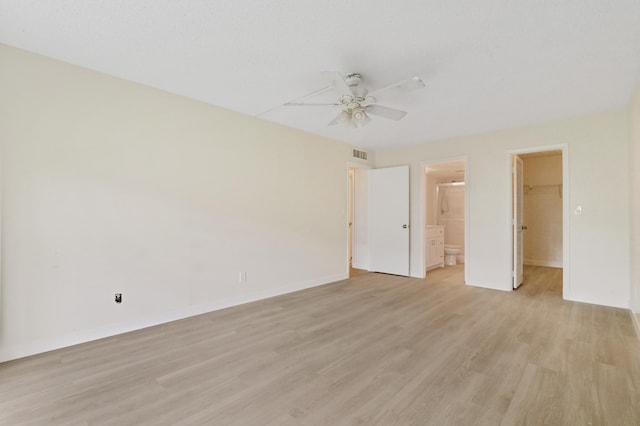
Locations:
(518, 227)
(389, 220)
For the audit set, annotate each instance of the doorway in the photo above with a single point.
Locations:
(538, 219)
(350, 216)
(445, 207)
(378, 220)
(357, 219)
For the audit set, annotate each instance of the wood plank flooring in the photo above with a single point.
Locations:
(373, 349)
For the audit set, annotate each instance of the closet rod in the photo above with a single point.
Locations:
(542, 186)
(450, 184)
(528, 188)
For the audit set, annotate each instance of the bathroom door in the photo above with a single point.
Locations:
(389, 220)
(518, 246)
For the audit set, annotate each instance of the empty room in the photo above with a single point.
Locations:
(315, 213)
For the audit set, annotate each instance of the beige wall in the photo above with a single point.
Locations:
(598, 240)
(109, 186)
(634, 115)
(543, 210)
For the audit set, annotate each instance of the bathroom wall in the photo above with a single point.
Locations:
(543, 210)
(431, 200)
(451, 209)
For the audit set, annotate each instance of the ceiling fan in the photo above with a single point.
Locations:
(356, 102)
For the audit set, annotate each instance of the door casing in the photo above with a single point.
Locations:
(566, 216)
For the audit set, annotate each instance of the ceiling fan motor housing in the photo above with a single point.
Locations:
(353, 79)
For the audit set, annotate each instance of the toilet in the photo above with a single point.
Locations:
(451, 251)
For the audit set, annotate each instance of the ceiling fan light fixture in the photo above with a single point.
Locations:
(359, 117)
(344, 117)
(355, 100)
(346, 99)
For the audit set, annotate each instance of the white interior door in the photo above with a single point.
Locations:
(518, 246)
(389, 220)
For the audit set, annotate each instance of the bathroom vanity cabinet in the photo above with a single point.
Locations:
(434, 247)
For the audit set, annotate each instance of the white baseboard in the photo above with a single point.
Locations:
(490, 287)
(623, 304)
(548, 263)
(46, 345)
(364, 266)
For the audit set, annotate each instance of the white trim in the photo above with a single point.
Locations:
(423, 219)
(635, 318)
(467, 216)
(351, 164)
(44, 345)
(510, 221)
(566, 216)
(1, 257)
(467, 210)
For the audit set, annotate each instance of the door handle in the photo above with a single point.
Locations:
(404, 226)
(523, 228)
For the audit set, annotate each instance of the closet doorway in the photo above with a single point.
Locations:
(538, 220)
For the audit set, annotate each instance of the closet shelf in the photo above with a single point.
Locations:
(540, 188)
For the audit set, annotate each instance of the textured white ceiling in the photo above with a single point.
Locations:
(487, 64)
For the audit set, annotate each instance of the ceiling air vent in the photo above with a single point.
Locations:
(359, 154)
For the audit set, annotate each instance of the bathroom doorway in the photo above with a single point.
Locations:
(445, 206)
(538, 219)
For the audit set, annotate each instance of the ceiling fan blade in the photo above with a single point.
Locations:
(343, 117)
(337, 81)
(386, 112)
(308, 104)
(408, 85)
(336, 120)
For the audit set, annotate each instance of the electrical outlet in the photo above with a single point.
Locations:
(118, 297)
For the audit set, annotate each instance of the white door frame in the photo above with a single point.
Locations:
(566, 216)
(517, 214)
(350, 218)
(351, 165)
(423, 213)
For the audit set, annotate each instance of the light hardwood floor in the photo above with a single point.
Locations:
(374, 349)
